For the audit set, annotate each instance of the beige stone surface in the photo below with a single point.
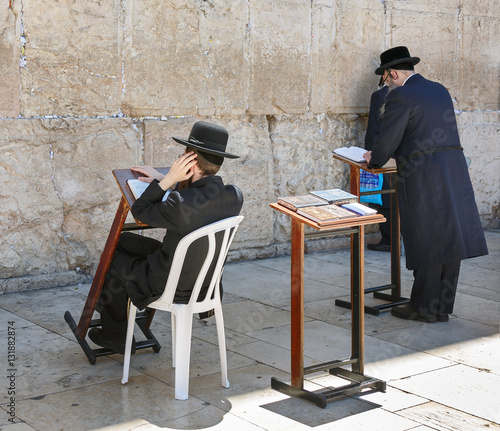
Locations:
(479, 134)
(185, 58)
(347, 38)
(479, 87)
(58, 192)
(279, 56)
(10, 52)
(73, 58)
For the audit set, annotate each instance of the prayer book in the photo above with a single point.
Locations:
(294, 202)
(137, 187)
(359, 209)
(351, 153)
(324, 215)
(336, 196)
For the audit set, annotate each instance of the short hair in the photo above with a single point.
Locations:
(206, 167)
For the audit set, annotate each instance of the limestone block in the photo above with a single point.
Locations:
(59, 196)
(73, 58)
(479, 60)
(303, 161)
(436, 46)
(424, 6)
(252, 172)
(479, 133)
(10, 52)
(344, 55)
(85, 153)
(280, 35)
(185, 57)
(30, 210)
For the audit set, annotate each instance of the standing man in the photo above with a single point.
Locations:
(439, 219)
(375, 115)
(140, 265)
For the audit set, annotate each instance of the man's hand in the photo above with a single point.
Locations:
(368, 156)
(181, 170)
(151, 173)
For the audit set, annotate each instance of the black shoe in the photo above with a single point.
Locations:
(379, 247)
(408, 313)
(443, 317)
(207, 314)
(95, 334)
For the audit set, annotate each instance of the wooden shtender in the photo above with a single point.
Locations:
(144, 318)
(358, 380)
(394, 298)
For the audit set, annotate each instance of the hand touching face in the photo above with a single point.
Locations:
(181, 170)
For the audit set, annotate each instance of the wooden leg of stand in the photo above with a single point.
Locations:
(357, 300)
(102, 268)
(395, 240)
(297, 305)
(355, 187)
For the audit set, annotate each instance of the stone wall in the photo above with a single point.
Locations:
(89, 86)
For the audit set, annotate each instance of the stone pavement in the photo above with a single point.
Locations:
(441, 376)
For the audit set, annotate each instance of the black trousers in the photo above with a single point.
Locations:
(434, 288)
(131, 250)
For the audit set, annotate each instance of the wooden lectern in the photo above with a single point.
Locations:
(358, 380)
(394, 297)
(144, 318)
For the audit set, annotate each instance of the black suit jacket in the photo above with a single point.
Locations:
(439, 218)
(206, 201)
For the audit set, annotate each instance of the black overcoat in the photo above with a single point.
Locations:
(206, 201)
(439, 217)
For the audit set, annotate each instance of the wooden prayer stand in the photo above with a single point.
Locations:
(144, 318)
(394, 297)
(359, 381)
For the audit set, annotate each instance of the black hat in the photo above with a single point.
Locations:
(210, 140)
(395, 56)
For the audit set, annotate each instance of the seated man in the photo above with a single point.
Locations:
(140, 265)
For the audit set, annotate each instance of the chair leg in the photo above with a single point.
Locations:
(183, 330)
(128, 342)
(174, 331)
(219, 321)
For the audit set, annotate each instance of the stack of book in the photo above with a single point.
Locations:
(326, 206)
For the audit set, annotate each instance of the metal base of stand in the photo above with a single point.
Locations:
(92, 354)
(359, 382)
(375, 310)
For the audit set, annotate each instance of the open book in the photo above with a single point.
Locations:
(351, 153)
(137, 187)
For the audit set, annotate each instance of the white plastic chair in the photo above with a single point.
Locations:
(182, 314)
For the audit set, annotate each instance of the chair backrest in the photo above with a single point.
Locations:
(228, 226)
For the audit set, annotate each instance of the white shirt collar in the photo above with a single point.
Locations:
(408, 78)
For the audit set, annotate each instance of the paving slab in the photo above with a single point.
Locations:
(461, 387)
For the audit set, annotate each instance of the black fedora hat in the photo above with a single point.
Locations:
(393, 57)
(210, 140)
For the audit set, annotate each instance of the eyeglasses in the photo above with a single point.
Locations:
(384, 79)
